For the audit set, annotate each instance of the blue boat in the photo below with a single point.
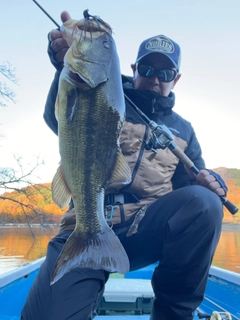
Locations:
(222, 296)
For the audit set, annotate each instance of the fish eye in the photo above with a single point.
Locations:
(106, 44)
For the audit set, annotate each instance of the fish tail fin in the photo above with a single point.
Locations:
(61, 194)
(99, 251)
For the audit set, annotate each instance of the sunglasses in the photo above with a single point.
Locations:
(163, 75)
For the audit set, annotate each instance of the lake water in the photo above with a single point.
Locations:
(17, 246)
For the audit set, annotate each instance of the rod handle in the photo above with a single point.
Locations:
(184, 158)
(229, 205)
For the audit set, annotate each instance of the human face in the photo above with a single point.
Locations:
(157, 61)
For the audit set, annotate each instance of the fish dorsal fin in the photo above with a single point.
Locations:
(60, 192)
(122, 172)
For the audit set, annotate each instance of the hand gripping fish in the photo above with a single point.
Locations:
(90, 110)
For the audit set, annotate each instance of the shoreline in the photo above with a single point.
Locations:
(24, 225)
(225, 226)
(230, 227)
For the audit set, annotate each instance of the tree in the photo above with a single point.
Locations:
(6, 93)
(26, 196)
(18, 180)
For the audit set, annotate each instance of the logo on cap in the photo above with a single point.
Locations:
(161, 44)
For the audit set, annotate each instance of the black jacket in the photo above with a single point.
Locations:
(150, 178)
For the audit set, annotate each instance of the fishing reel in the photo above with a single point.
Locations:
(160, 138)
(221, 316)
(215, 316)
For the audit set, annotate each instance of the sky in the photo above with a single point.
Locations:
(207, 95)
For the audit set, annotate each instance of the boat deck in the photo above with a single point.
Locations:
(109, 317)
(222, 294)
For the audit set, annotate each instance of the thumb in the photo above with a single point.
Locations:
(65, 16)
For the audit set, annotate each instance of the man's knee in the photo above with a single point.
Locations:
(210, 205)
(199, 209)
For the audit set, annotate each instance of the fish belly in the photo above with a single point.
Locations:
(89, 144)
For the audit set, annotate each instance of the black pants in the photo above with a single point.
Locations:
(181, 230)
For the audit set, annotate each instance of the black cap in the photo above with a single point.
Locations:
(163, 45)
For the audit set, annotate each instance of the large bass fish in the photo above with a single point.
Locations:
(90, 110)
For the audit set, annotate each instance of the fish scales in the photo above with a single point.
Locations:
(90, 110)
(83, 174)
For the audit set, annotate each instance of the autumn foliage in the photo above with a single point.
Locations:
(40, 207)
(232, 179)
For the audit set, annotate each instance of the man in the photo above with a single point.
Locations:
(165, 214)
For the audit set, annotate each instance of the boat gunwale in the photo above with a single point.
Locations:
(24, 270)
(20, 272)
(225, 274)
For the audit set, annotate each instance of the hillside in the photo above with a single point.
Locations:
(35, 202)
(39, 206)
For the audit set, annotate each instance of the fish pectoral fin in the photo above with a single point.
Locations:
(102, 250)
(60, 192)
(72, 100)
(72, 104)
(57, 107)
(122, 172)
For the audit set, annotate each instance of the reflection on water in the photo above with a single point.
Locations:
(18, 247)
(227, 255)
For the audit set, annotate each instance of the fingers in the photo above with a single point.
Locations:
(65, 16)
(54, 34)
(59, 45)
(60, 54)
(204, 178)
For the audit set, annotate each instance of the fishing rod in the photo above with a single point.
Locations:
(161, 137)
(47, 14)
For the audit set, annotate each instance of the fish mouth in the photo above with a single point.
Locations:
(82, 79)
(75, 77)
